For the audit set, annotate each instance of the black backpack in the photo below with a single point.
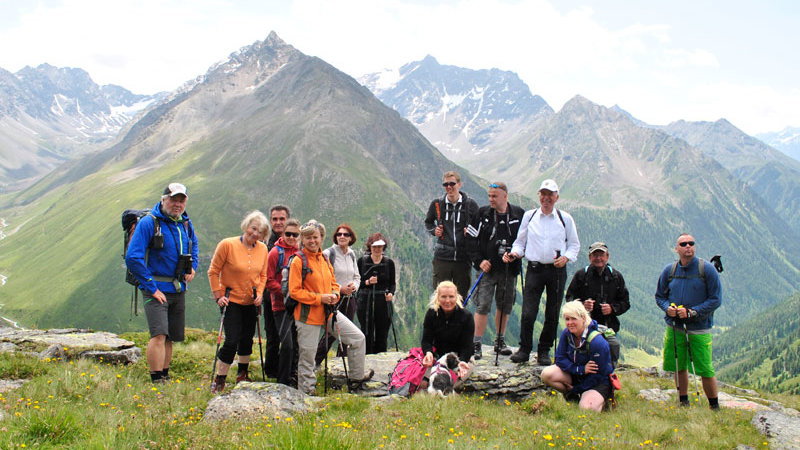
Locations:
(288, 302)
(130, 218)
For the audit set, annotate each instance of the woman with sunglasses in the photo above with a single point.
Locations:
(285, 247)
(376, 293)
(345, 268)
(317, 294)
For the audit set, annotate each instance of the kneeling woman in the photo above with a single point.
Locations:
(317, 295)
(448, 327)
(237, 276)
(583, 361)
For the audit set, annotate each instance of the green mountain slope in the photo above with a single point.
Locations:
(270, 126)
(764, 352)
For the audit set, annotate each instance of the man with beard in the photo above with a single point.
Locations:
(163, 256)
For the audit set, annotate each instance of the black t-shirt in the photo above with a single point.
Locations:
(447, 334)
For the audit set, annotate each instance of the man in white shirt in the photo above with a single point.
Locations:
(548, 239)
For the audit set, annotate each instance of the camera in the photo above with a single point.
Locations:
(157, 242)
(503, 247)
(184, 266)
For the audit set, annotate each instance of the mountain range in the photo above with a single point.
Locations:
(787, 141)
(273, 125)
(49, 115)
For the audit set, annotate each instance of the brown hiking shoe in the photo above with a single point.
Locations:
(242, 376)
(218, 385)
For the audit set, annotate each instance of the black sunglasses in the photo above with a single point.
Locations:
(687, 243)
(343, 234)
(290, 234)
(449, 184)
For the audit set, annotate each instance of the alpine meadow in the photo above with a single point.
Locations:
(273, 125)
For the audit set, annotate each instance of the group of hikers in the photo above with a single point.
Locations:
(310, 295)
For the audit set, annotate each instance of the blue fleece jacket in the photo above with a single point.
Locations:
(689, 290)
(160, 262)
(572, 359)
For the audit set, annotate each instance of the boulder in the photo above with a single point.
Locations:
(507, 380)
(783, 430)
(257, 400)
(69, 343)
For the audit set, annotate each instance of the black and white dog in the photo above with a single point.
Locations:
(443, 375)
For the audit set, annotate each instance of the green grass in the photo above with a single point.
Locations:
(87, 404)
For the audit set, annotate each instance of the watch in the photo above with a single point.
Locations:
(692, 313)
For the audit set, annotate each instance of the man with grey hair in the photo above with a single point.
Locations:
(163, 256)
(548, 239)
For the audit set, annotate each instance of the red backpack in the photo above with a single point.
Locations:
(407, 374)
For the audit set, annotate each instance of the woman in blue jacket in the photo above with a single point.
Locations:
(583, 361)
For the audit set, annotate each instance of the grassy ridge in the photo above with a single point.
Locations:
(86, 404)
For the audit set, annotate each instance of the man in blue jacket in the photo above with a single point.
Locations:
(162, 255)
(689, 296)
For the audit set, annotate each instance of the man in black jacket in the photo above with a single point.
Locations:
(601, 289)
(497, 229)
(450, 220)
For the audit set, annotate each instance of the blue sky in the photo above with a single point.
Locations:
(661, 61)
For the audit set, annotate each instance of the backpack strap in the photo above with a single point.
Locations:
(281, 258)
(592, 334)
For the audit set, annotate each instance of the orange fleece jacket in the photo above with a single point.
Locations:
(239, 267)
(319, 281)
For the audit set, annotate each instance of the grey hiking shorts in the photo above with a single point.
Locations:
(168, 318)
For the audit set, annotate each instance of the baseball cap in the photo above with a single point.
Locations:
(549, 185)
(598, 246)
(174, 189)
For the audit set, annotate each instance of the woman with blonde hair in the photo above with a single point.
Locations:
(317, 294)
(583, 361)
(237, 276)
(448, 327)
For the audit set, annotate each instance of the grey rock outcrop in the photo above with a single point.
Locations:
(507, 380)
(69, 343)
(781, 428)
(256, 400)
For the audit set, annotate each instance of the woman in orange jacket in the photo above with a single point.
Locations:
(316, 294)
(239, 265)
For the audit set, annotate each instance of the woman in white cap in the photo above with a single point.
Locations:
(376, 293)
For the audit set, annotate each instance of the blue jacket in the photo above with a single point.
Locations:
(160, 262)
(689, 290)
(572, 359)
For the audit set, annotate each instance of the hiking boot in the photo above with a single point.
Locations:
(218, 385)
(543, 358)
(478, 352)
(242, 376)
(520, 356)
(501, 347)
(356, 385)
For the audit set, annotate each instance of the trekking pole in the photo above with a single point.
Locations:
(258, 327)
(691, 360)
(473, 288)
(327, 321)
(438, 217)
(371, 320)
(675, 349)
(341, 351)
(391, 323)
(501, 330)
(219, 337)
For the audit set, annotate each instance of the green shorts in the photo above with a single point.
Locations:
(701, 352)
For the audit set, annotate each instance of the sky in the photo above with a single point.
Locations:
(661, 61)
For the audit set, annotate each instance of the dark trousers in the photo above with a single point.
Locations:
(373, 316)
(347, 306)
(459, 272)
(548, 278)
(286, 362)
(271, 337)
(240, 326)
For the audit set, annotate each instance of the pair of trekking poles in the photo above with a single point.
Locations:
(370, 325)
(219, 337)
(688, 349)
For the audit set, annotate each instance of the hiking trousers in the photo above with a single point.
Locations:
(307, 339)
(539, 278)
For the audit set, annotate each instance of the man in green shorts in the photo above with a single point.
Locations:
(689, 295)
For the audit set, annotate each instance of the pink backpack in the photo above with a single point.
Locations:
(407, 374)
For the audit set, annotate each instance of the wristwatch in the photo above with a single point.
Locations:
(692, 313)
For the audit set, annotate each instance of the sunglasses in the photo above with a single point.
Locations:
(687, 243)
(290, 234)
(449, 184)
(342, 234)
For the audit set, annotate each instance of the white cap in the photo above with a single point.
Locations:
(174, 189)
(549, 185)
(378, 242)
